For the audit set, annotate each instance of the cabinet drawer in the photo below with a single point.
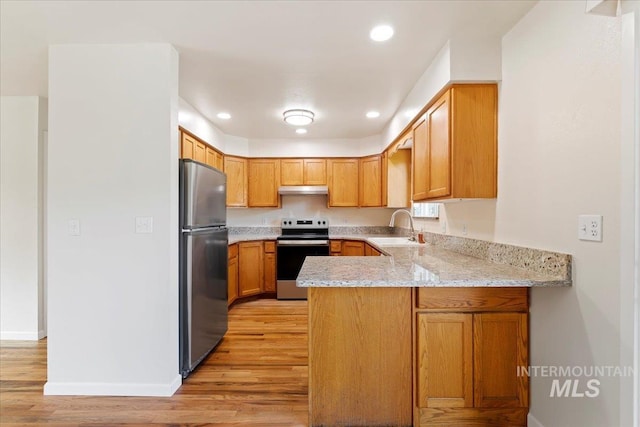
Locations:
(336, 246)
(233, 251)
(473, 299)
(269, 246)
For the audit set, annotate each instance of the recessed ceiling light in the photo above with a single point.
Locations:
(373, 114)
(301, 131)
(224, 116)
(298, 117)
(381, 33)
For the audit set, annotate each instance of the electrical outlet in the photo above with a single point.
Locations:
(74, 227)
(144, 224)
(590, 227)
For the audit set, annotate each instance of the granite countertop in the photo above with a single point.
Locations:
(235, 238)
(430, 265)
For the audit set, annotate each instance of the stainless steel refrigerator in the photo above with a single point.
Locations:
(203, 262)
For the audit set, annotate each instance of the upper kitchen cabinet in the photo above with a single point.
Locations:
(194, 148)
(214, 158)
(455, 145)
(264, 180)
(397, 171)
(315, 172)
(303, 172)
(236, 170)
(187, 145)
(343, 182)
(370, 181)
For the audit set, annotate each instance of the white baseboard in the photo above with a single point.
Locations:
(115, 389)
(20, 336)
(42, 334)
(532, 422)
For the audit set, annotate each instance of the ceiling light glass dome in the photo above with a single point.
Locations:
(298, 117)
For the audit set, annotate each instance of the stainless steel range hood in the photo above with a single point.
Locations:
(303, 189)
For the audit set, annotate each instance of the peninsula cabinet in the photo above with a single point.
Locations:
(342, 176)
(264, 180)
(469, 343)
(370, 181)
(251, 268)
(455, 145)
(303, 172)
(237, 176)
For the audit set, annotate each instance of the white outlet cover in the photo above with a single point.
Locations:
(144, 224)
(74, 227)
(590, 228)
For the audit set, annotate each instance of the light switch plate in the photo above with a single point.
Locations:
(144, 224)
(590, 227)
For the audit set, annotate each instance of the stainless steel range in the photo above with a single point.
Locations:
(300, 238)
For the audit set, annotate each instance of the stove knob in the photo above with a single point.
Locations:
(318, 222)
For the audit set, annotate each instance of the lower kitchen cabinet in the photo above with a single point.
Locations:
(270, 266)
(371, 251)
(352, 248)
(232, 280)
(467, 356)
(251, 274)
(335, 247)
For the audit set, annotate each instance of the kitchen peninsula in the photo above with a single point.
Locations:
(428, 335)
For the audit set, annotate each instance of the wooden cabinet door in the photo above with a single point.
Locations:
(236, 170)
(232, 282)
(335, 247)
(210, 157)
(500, 343)
(264, 180)
(445, 361)
(219, 161)
(291, 172)
(352, 248)
(370, 181)
(200, 152)
(315, 172)
(343, 182)
(188, 144)
(384, 179)
(250, 275)
(269, 272)
(420, 167)
(439, 148)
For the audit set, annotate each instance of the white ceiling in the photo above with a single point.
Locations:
(255, 59)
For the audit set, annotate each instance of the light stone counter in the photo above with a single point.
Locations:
(431, 265)
(235, 238)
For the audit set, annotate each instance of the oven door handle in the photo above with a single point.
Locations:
(303, 242)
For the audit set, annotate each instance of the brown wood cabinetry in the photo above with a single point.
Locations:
(270, 266)
(469, 344)
(264, 180)
(214, 159)
(335, 247)
(251, 263)
(385, 175)
(303, 172)
(200, 152)
(455, 145)
(342, 175)
(371, 251)
(237, 176)
(352, 248)
(187, 145)
(370, 185)
(232, 280)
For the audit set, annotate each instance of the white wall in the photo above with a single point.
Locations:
(22, 123)
(191, 119)
(113, 150)
(308, 207)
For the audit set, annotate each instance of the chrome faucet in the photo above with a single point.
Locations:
(393, 221)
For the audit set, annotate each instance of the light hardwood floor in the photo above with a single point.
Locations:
(258, 376)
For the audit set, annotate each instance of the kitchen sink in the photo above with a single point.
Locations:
(393, 241)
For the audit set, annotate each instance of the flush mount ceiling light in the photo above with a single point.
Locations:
(298, 117)
(224, 116)
(373, 114)
(301, 131)
(381, 33)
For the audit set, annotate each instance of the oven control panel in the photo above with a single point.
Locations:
(305, 223)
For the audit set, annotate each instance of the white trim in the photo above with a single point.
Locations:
(21, 336)
(636, 285)
(112, 389)
(533, 422)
